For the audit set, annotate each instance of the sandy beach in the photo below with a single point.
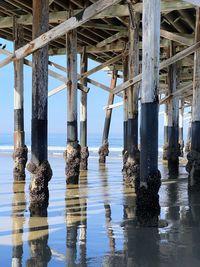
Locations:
(93, 224)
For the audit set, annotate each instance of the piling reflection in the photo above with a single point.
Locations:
(115, 238)
(108, 213)
(40, 252)
(141, 244)
(18, 208)
(173, 209)
(194, 218)
(76, 221)
(83, 219)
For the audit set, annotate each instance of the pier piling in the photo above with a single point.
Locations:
(125, 109)
(173, 118)
(131, 165)
(83, 115)
(72, 154)
(20, 149)
(39, 167)
(165, 147)
(104, 149)
(147, 200)
(181, 114)
(188, 143)
(193, 166)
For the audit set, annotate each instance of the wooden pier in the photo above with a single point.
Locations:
(152, 44)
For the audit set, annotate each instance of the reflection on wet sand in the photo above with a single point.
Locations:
(40, 252)
(107, 207)
(76, 221)
(95, 224)
(73, 214)
(18, 208)
(140, 243)
(83, 222)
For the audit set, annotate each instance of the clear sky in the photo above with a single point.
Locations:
(97, 99)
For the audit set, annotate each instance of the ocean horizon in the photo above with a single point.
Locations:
(57, 143)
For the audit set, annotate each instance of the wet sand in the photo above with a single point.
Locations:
(93, 224)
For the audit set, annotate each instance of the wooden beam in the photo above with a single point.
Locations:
(194, 2)
(184, 53)
(61, 29)
(112, 38)
(101, 26)
(57, 90)
(51, 72)
(116, 105)
(104, 146)
(122, 10)
(180, 90)
(179, 38)
(101, 66)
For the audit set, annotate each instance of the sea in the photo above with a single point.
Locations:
(57, 144)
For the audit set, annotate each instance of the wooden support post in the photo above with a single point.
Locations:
(148, 207)
(20, 149)
(181, 114)
(104, 149)
(131, 165)
(165, 147)
(125, 108)
(173, 115)
(72, 153)
(83, 116)
(193, 166)
(188, 143)
(39, 167)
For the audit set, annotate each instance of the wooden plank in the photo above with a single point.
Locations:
(61, 29)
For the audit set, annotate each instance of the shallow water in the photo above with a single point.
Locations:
(93, 224)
